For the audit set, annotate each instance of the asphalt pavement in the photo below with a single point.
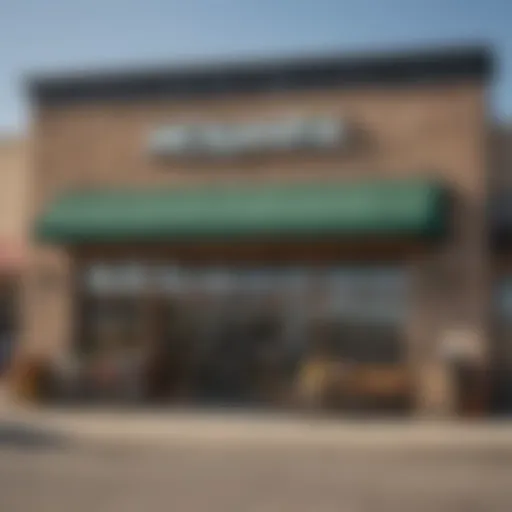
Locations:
(104, 461)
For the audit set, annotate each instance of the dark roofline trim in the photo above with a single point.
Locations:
(440, 65)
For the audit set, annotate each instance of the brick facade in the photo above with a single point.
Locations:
(436, 129)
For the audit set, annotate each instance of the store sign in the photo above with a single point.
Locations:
(232, 139)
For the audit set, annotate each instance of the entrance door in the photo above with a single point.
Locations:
(240, 337)
(243, 329)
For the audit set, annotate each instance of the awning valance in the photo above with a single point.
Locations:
(410, 207)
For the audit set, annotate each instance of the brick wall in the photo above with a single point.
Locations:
(14, 183)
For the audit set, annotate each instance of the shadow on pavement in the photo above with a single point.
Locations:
(24, 436)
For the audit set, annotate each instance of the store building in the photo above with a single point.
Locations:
(238, 221)
(501, 238)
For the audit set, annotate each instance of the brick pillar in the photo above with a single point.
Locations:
(47, 311)
(435, 391)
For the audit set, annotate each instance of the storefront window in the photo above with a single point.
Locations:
(365, 313)
(110, 324)
(214, 280)
(168, 279)
(375, 295)
(112, 279)
(359, 311)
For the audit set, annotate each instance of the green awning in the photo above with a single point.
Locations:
(411, 207)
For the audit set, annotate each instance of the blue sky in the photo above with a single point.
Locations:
(55, 35)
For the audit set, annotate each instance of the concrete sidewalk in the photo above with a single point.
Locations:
(235, 428)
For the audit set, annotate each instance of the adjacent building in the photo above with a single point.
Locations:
(500, 221)
(14, 239)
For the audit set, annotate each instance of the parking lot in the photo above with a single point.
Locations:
(43, 470)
